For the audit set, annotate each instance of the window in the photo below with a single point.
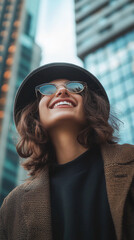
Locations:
(126, 70)
(107, 28)
(131, 101)
(28, 24)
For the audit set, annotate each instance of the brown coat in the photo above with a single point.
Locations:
(26, 213)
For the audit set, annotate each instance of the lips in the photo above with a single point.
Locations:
(73, 104)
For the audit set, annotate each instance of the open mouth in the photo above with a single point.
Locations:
(63, 104)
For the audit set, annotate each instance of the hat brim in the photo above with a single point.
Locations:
(26, 92)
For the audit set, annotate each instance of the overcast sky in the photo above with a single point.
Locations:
(56, 32)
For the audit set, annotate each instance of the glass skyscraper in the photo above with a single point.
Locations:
(20, 55)
(105, 43)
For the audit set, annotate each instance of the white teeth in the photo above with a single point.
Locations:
(62, 103)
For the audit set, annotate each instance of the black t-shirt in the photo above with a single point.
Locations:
(79, 204)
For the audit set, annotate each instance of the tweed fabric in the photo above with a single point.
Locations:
(26, 214)
(119, 173)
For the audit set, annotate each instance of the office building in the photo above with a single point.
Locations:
(105, 43)
(19, 54)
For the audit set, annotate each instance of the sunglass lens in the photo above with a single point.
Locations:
(48, 89)
(75, 87)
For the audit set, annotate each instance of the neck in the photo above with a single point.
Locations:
(66, 144)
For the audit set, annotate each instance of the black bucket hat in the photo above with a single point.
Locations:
(44, 74)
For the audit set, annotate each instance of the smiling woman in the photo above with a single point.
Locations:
(85, 120)
(80, 178)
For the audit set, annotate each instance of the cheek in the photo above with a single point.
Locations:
(81, 110)
(43, 107)
(81, 104)
(44, 102)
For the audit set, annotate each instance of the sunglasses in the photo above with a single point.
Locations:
(51, 88)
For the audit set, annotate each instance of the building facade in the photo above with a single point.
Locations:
(105, 43)
(19, 54)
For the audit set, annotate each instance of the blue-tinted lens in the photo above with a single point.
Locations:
(75, 87)
(48, 89)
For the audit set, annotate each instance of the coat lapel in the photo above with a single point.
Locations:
(119, 172)
(36, 208)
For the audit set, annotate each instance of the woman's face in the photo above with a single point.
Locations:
(52, 115)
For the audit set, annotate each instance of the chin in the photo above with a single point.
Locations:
(64, 122)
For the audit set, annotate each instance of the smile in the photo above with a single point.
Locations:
(63, 104)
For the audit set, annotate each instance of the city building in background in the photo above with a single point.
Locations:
(105, 43)
(19, 54)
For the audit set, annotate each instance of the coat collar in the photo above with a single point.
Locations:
(118, 161)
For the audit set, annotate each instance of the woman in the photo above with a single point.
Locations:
(81, 181)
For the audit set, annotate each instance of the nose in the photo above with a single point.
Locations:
(62, 91)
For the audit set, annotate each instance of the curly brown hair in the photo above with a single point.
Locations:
(36, 145)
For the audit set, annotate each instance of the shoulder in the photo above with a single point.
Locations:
(14, 197)
(122, 148)
(11, 212)
(118, 153)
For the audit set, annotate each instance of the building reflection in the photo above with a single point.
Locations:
(105, 43)
(19, 54)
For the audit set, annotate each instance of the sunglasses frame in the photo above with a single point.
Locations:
(37, 88)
